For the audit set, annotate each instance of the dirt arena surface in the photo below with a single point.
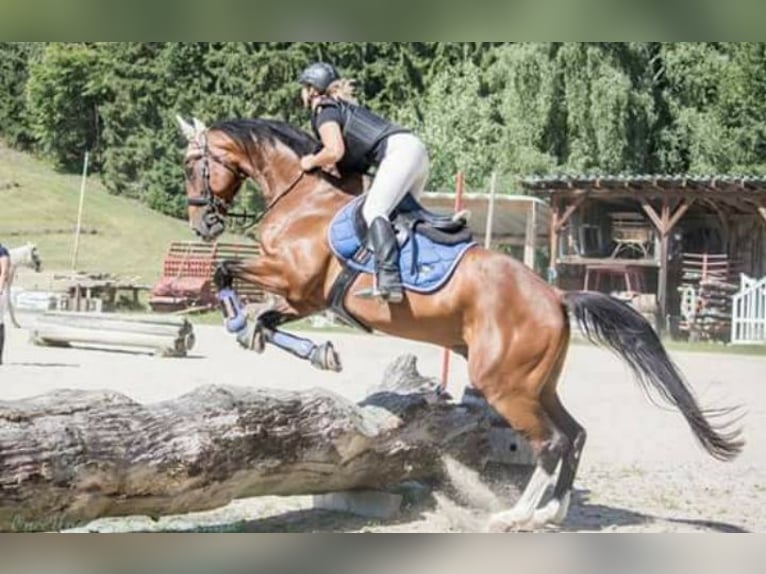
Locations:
(641, 470)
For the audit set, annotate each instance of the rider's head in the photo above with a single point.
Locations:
(322, 79)
(315, 80)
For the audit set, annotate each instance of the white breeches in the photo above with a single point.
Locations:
(403, 169)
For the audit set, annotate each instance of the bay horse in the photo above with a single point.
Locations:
(511, 326)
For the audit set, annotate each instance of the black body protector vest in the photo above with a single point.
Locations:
(362, 132)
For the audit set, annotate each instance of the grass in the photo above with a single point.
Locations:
(130, 239)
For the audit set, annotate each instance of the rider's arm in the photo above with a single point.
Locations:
(328, 121)
(333, 147)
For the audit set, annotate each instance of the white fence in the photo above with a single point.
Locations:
(749, 311)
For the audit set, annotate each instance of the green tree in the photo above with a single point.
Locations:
(454, 117)
(515, 108)
(14, 71)
(62, 108)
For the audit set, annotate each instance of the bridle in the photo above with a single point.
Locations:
(208, 198)
(216, 209)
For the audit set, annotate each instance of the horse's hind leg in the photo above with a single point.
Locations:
(571, 448)
(569, 443)
(512, 383)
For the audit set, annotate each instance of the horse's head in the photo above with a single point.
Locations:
(34, 256)
(219, 158)
(212, 182)
(26, 256)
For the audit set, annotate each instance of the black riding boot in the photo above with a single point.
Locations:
(388, 281)
(2, 341)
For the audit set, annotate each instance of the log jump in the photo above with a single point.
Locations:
(165, 336)
(71, 456)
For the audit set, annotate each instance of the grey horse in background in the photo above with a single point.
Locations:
(27, 256)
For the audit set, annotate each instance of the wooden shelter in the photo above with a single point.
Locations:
(652, 230)
(514, 221)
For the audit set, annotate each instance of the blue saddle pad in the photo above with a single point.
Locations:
(425, 265)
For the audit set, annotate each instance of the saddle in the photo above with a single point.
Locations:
(430, 247)
(411, 217)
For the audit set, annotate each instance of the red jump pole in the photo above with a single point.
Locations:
(459, 184)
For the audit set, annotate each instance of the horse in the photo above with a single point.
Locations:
(27, 256)
(512, 327)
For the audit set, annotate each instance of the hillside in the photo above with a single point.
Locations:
(40, 205)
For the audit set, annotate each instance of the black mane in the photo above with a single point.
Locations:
(244, 131)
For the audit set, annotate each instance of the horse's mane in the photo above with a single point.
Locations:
(245, 132)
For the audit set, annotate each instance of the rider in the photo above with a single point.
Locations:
(354, 139)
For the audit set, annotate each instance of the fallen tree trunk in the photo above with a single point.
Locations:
(71, 456)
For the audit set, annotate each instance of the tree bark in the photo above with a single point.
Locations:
(71, 456)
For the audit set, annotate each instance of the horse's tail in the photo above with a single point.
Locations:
(607, 321)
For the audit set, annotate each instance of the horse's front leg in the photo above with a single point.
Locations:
(254, 335)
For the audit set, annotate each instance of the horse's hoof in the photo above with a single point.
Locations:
(252, 338)
(557, 509)
(326, 358)
(510, 521)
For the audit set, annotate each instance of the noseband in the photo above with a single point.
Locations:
(217, 209)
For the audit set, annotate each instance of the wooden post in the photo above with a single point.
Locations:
(664, 222)
(558, 220)
(79, 213)
(530, 236)
(459, 184)
(490, 212)
(554, 239)
(662, 278)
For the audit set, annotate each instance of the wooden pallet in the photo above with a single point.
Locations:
(706, 296)
(187, 274)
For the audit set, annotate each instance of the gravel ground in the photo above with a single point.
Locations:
(641, 470)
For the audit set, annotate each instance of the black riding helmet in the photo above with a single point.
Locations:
(320, 75)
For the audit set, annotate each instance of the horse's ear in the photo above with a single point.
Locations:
(186, 128)
(199, 127)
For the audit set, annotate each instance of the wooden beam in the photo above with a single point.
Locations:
(723, 219)
(679, 213)
(571, 208)
(733, 202)
(649, 210)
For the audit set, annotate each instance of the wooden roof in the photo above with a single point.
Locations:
(750, 186)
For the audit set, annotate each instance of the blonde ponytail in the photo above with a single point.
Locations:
(342, 89)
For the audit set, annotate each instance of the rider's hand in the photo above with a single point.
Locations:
(332, 170)
(307, 163)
